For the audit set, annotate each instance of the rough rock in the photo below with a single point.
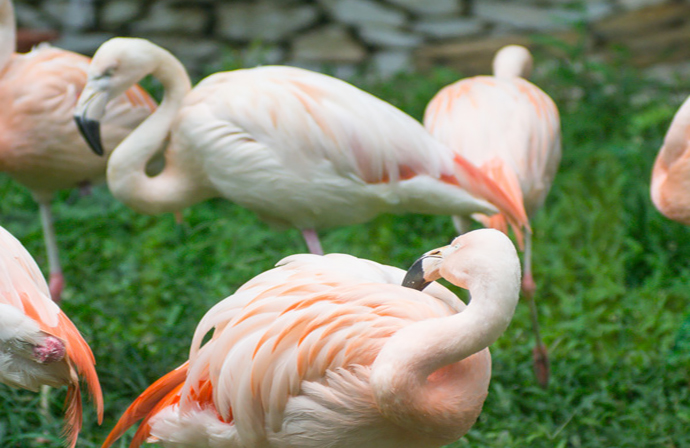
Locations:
(118, 13)
(360, 12)
(328, 44)
(84, 43)
(430, 7)
(387, 36)
(388, 63)
(521, 16)
(171, 18)
(449, 28)
(265, 20)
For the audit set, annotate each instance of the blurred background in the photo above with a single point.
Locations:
(380, 36)
(613, 274)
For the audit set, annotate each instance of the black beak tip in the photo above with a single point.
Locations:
(91, 131)
(415, 276)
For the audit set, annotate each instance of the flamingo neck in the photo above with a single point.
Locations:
(400, 376)
(174, 187)
(512, 62)
(8, 33)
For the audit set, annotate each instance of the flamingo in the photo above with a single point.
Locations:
(40, 146)
(298, 148)
(39, 345)
(333, 351)
(510, 129)
(671, 172)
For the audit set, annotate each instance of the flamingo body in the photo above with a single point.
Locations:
(332, 351)
(299, 148)
(293, 136)
(509, 128)
(39, 345)
(670, 189)
(40, 146)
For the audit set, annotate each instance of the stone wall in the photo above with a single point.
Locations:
(385, 36)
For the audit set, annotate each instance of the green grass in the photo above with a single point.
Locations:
(613, 279)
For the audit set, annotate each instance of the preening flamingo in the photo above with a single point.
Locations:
(670, 188)
(333, 351)
(299, 148)
(40, 146)
(510, 129)
(39, 345)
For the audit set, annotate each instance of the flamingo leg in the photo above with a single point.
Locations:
(539, 354)
(57, 280)
(45, 400)
(312, 240)
(462, 224)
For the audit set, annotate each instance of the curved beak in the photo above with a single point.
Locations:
(427, 268)
(91, 131)
(89, 110)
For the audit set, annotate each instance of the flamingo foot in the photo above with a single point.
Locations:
(56, 284)
(541, 366)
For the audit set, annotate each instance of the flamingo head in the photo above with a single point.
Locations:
(117, 65)
(466, 259)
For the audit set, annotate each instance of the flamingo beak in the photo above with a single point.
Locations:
(426, 269)
(89, 110)
(91, 131)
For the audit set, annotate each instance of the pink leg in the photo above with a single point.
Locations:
(56, 284)
(179, 219)
(85, 188)
(540, 356)
(57, 280)
(312, 240)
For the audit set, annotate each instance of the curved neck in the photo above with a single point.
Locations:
(173, 188)
(400, 373)
(8, 33)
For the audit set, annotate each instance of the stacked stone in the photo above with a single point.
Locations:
(337, 35)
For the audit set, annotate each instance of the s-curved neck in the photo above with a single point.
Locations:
(400, 373)
(174, 188)
(8, 33)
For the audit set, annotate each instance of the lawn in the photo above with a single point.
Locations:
(613, 278)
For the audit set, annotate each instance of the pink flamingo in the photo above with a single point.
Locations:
(39, 345)
(333, 351)
(510, 129)
(40, 146)
(299, 148)
(671, 173)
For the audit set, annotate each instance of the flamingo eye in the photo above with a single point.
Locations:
(107, 73)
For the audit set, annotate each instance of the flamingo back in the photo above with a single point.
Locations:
(493, 121)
